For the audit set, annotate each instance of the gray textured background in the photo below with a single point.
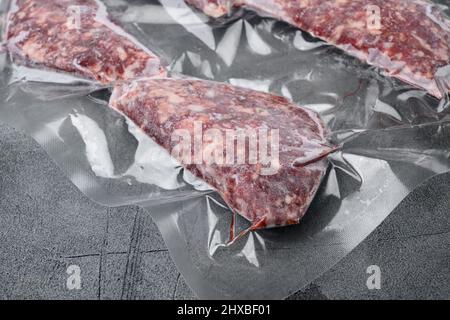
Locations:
(46, 224)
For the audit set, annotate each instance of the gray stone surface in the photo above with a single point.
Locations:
(46, 225)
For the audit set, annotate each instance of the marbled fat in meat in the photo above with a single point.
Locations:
(408, 39)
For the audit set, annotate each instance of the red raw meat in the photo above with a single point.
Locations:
(161, 107)
(76, 36)
(408, 39)
(213, 8)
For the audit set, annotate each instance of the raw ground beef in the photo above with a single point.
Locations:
(410, 40)
(76, 36)
(162, 107)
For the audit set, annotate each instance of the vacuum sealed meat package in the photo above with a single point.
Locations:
(275, 184)
(76, 37)
(263, 154)
(408, 39)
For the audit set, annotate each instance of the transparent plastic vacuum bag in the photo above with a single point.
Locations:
(392, 136)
